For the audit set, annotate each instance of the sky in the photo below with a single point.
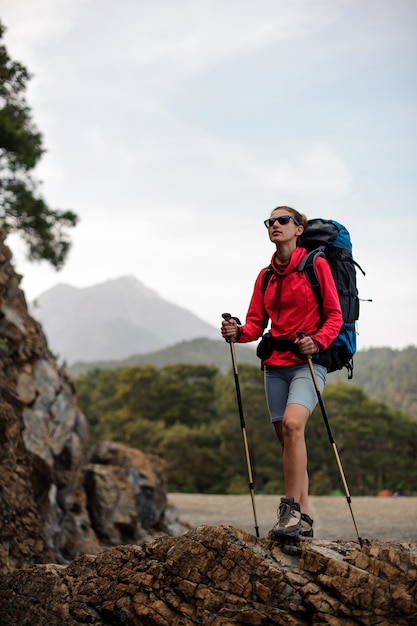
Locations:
(174, 127)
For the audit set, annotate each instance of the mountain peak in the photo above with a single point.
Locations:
(128, 282)
(115, 319)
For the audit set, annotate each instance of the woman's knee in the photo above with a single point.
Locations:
(292, 430)
(295, 419)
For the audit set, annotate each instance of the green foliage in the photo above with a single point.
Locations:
(188, 415)
(192, 459)
(377, 445)
(384, 374)
(185, 394)
(117, 400)
(388, 375)
(21, 208)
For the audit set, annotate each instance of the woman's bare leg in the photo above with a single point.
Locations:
(291, 434)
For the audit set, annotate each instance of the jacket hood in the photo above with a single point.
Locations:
(295, 260)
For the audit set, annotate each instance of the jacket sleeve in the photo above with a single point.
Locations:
(255, 317)
(332, 313)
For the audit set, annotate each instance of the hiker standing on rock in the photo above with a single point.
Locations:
(288, 300)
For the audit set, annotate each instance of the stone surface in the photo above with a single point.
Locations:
(126, 493)
(43, 442)
(45, 516)
(220, 576)
(144, 473)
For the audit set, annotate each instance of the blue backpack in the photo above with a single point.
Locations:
(331, 240)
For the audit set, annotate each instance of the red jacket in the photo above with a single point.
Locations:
(291, 305)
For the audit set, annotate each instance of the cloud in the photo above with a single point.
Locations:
(35, 23)
(315, 170)
(184, 34)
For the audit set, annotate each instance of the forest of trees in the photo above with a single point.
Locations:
(385, 374)
(188, 415)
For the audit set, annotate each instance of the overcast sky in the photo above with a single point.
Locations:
(174, 127)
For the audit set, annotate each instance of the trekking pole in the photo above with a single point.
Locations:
(227, 316)
(301, 334)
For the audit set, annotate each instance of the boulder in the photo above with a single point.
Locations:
(145, 474)
(126, 494)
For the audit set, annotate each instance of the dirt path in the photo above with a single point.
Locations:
(389, 519)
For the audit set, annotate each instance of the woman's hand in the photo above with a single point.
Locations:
(229, 330)
(307, 345)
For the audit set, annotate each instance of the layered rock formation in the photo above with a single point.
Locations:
(220, 576)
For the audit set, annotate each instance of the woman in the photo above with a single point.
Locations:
(289, 302)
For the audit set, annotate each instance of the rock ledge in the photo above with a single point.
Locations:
(220, 575)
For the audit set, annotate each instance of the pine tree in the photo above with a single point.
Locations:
(22, 209)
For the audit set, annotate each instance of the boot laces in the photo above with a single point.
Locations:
(284, 512)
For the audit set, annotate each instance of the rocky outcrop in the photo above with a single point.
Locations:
(42, 436)
(220, 576)
(47, 472)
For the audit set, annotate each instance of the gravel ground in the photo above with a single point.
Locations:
(389, 519)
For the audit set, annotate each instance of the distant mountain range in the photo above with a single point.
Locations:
(113, 320)
(200, 351)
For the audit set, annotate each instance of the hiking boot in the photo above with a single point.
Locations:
(289, 520)
(306, 526)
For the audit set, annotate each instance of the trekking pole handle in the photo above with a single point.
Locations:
(301, 334)
(228, 316)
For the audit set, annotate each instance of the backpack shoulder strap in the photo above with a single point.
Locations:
(268, 273)
(267, 276)
(308, 266)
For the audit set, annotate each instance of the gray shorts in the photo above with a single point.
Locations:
(291, 385)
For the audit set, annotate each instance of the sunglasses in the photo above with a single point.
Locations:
(282, 219)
